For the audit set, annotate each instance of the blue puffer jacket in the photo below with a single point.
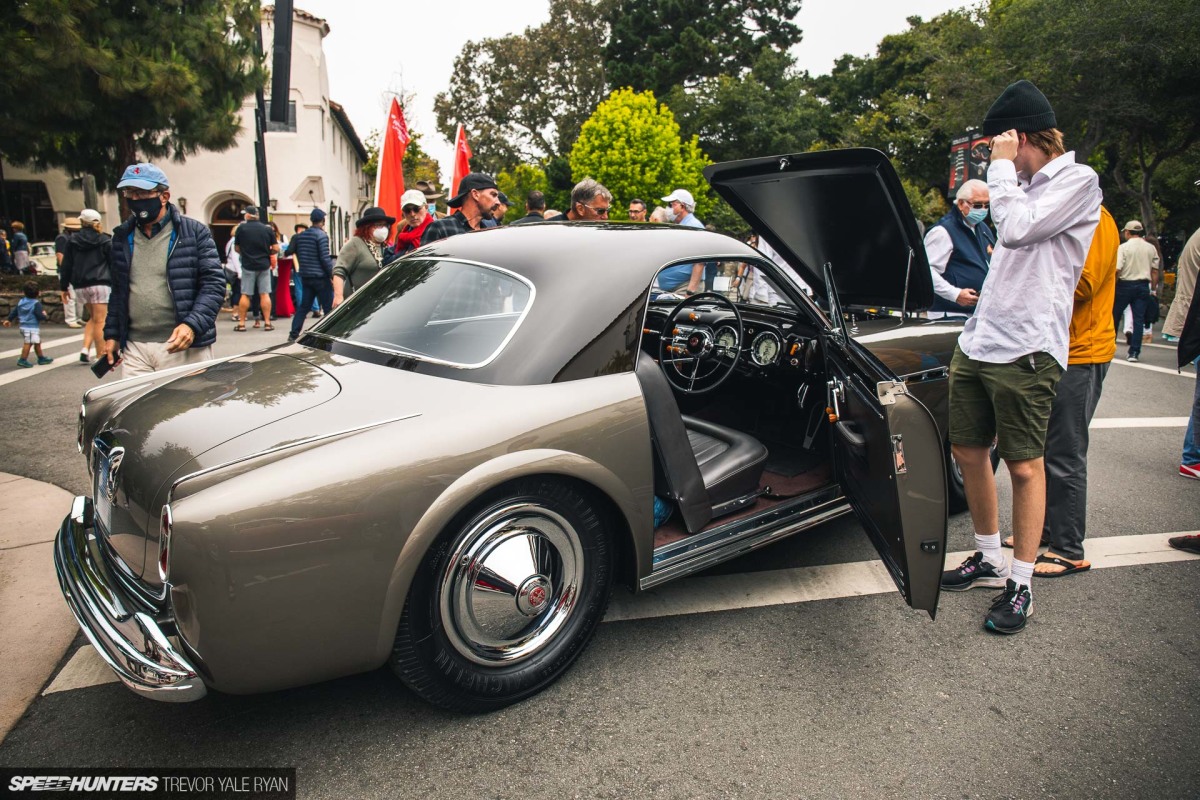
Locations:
(194, 276)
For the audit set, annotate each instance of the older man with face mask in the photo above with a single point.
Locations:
(167, 281)
(415, 209)
(959, 247)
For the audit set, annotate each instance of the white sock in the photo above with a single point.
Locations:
(990, 547)
(1022, 572)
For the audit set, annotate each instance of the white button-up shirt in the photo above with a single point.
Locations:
(1043, 232)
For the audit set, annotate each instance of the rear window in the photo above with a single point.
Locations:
(450, 312)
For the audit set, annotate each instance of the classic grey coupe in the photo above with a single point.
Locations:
(449, 472)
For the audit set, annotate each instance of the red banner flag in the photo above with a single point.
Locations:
(462, 159)
(389, 181)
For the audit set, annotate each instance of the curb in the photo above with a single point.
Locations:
(36, 627)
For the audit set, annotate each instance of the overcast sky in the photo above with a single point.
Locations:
(377, 45)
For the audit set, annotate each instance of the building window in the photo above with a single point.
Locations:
(282, 127)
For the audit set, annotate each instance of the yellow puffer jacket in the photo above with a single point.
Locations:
(1093, 336)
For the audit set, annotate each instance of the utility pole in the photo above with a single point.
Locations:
(260, 148)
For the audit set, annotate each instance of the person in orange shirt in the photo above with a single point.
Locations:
(1093, 344)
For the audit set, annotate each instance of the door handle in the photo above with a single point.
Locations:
(849, 432)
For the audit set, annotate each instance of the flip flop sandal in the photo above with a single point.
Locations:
(1069, 568)
(268, 327)
(1007, 541)
(239, 328)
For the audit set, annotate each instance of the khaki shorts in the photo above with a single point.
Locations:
(1006, 402)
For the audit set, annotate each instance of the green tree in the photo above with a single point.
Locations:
(660, 44)
(770, 110)
(517, 184)
(418, 165)
(522, 98)
(141, 79)
(631, 144)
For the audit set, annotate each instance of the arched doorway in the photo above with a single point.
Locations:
(225, 215)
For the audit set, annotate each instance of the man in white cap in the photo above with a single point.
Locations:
(1137, 271)
(70, 311)
(415, 210)
(683, 278)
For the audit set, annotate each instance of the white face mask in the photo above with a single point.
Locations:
(379, 234)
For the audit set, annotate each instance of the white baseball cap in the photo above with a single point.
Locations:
(682, 195)
(413, 197)
(89, 216)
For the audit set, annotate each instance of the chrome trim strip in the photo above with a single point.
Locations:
(316, 329)
(280, 448)
(133, 643)
(731, 541)
(151, 377)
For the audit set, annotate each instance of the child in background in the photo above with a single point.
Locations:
(29, 313)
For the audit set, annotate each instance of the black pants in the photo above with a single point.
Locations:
(1137, 295)
(319, 288)
(1066, 457)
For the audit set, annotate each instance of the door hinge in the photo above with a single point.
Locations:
(886, 391)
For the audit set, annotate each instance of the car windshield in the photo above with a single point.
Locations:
(451, 312)
(738, 281)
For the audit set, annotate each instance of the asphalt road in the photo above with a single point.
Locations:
(847, 697)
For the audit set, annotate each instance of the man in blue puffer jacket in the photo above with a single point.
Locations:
(168, 284)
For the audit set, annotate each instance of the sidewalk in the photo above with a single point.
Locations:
(36, 628)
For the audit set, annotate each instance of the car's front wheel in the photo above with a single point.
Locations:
(507, 599)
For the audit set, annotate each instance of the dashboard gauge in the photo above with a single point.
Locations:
(765, 349)
(727, 338)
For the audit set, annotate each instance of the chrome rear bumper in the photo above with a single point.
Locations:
(129, 640)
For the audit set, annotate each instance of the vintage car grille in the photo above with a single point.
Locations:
(106, 463)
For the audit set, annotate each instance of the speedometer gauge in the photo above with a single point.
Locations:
(727, 338)
(765, 349)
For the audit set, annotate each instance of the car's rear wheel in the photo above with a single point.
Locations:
(507, 598)
(956, 494)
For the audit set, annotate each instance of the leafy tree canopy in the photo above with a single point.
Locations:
(522, 98)
(141, 79)
(659, 44)
(631, 144)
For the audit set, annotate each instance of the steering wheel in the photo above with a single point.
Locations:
(688, 350)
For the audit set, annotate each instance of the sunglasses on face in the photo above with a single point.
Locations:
(600, 212)
(411, 210)
(978, 205)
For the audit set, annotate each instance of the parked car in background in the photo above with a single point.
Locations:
(42, 253)
(449, 472)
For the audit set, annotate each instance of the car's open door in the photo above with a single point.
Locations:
(889, 459)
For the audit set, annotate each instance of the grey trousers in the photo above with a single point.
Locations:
(1066, 457)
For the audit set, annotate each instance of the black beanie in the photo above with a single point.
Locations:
(1021, 107)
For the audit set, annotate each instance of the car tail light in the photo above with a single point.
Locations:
(164, 542)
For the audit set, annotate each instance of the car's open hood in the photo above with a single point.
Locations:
(844, 207)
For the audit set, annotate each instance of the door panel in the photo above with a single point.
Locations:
(889, 459)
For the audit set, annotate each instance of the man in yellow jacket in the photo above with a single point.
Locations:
(1093, 344)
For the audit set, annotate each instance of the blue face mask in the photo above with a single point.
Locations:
(977, 215)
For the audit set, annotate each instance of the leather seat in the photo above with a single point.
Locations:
(708, 469)
(730, 462)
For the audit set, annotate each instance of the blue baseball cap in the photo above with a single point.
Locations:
(143, 176)
(317, 215)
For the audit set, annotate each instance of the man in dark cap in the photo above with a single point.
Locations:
(255, 242)
(1013, 350)
(477, 200)
(311, 250)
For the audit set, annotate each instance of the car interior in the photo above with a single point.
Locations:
(734, 385)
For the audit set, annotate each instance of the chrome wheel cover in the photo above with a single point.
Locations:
(511, 584)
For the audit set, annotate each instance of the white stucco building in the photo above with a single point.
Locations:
(313, 161)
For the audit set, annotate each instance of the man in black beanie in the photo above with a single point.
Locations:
(1014, 349)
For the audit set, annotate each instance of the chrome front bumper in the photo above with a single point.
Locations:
(130, 641)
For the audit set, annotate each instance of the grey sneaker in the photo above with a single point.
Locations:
(974, 572)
